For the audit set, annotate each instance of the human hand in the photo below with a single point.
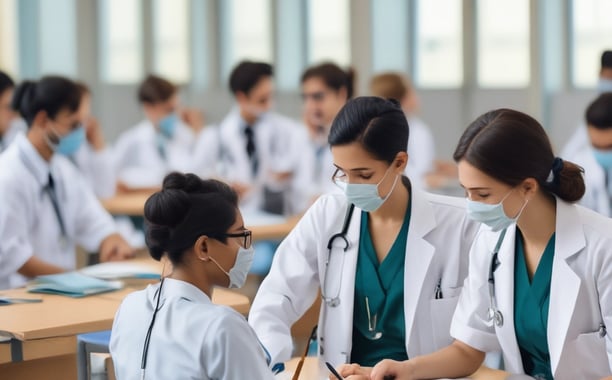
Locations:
(353, 372)
(115, 248)
(390, 369)
(93, 133)
(194, 118)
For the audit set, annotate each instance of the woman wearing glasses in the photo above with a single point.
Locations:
(396, 262)
(171, 329)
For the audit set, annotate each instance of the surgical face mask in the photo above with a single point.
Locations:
(167, 125)
(604, 158)
(365, 195)
(604, 85)
(238, 273)
(68, 144)
(492, 215)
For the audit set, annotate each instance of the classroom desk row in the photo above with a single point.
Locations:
(38, 340)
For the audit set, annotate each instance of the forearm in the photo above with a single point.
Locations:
(456, 360)
(37, 267)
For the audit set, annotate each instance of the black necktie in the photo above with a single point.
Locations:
(250, 148)
(50, 189)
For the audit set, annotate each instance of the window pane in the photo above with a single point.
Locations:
(9, 55)
(58, 37)
(247, 32)
(329, 31)
(439, 44)
(503, 43)
(121, 40)
(592, 35)
(390, 35)
(171, 39)
(290, 58)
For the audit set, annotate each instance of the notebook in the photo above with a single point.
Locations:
(72, 284)
(121, 270)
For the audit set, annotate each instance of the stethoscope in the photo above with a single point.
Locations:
(493, 313)
(334, 301)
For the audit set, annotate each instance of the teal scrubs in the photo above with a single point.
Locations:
(383, 285)
(531, 299)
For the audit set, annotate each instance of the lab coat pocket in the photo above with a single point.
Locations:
(590, 350)
(442, 311)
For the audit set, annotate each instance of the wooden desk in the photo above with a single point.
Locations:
(311, 370)
(43, 343)
(132, 204)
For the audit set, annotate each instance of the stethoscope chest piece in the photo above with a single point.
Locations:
(495, 316)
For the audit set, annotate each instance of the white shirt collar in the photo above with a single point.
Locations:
(32, 160)
(179, 289)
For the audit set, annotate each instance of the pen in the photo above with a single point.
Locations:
(438, 294)
(333, 371)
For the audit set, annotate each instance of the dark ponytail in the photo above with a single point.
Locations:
(511, 146)
(50, 94)
(186, 208)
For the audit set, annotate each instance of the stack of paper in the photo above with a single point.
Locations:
(72, 284)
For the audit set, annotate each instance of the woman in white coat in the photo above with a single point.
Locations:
(390, 281)
(539, 286)
(197, 225)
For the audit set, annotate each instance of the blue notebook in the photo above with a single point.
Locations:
(72, 284)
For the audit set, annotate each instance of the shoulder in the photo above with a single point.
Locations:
(444, 204)
(595, 225)
(136, 132)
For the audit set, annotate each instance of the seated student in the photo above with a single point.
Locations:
(261, 150)
(325, 90)
(47, 208)
(196, 224)
(539, 285)
(162, 143)
(388, 259)
(9, 123)
(94, 159)
(421, 147)
(596, 157)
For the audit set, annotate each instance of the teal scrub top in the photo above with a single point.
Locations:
(383, 285)
(531, 300)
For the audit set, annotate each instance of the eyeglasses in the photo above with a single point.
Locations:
(246, 236)
(298, 368)
(339, 176)
(315, 96)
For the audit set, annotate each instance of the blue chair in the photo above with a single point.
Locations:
(87, 344)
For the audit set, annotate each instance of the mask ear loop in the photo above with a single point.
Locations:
(145, 350)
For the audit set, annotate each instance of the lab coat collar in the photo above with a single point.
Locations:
(419, 254)
(34, 163)
(177, 289)
(565, 283)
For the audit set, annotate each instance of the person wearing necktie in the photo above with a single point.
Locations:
(47, 208)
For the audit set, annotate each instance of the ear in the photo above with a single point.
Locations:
(201, 248)
(241, 97)
(529, 187)
(401, 160)
(343, 93)
(41, 118)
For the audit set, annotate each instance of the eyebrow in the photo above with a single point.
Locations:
(354, 169)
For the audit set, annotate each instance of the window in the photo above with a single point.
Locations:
(439, 61)
(58, 37)
(503, 43)
(592, 34)
(121, 41)
(246, 32)
(290, 37)
(390, 35)
(329, 31)
(171, 39)
(9, 54)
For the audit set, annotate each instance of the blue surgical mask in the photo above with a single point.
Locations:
(167, 125)
(238, 273)
(68, 144)
(604, 158)
(365, 195)
(604, 85)
(492, 215)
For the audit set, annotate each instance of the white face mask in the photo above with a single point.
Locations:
(365, 195)
(238, 273)
(493, 215)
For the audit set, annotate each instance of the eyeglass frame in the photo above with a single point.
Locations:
(246, 234)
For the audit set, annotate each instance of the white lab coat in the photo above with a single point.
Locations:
(139, 163)
(97, 169)
(320, 163)
(281, 145)
(28, 222)
(439, 238)
(421, 151)
(597, 196)
(580, 297)
(17, 126)
(191, 339)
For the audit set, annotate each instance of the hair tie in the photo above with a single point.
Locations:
(557, 166)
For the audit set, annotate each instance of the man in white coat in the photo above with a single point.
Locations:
(10, 124)
(596, 157)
